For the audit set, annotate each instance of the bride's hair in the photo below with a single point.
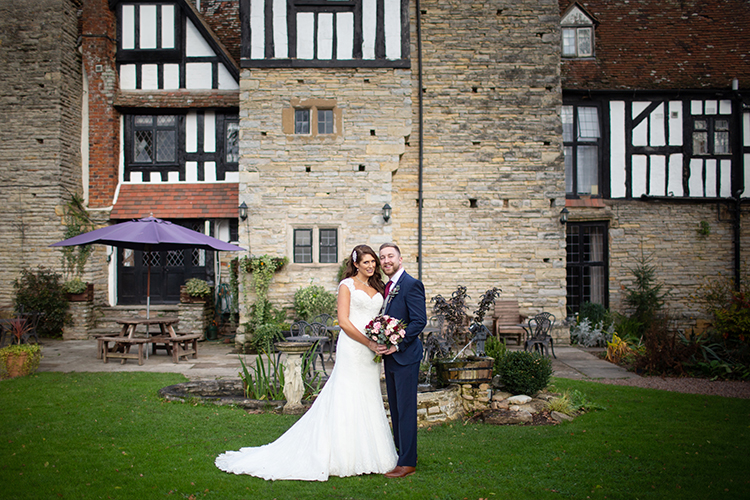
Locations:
(376, 280)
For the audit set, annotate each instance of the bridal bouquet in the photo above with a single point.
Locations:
(385, 330)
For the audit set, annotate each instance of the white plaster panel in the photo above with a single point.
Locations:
(675, 123)
(725, 107)
(639, 165)
(167, 26)
(617, 149)
(148, 26)
(232, 176)
(344, 35)
(257, 29)
(305, 35)
(640, 133)
(222, 230)
(280, 36)
(325, 35)
(173, 177)
(711, 178)
(658, 176)
(127, 77)
(696, 107)
(695, 180)
(195, 44)
(226, 80)
(369, 21)
(746, 129)
(392, 19)
(746, 170)
(209, 132)
(725, 178)
(171, 76)
(674, 186)
(149, 76)
(191, 171)
(198, 75)
(191, 132)
(136, 177)
(658, 125)
(128, 26)
(711, 107)
(154, 177)
(209, 171)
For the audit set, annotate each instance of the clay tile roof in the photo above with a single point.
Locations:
(177, 201)
(177, 99)
(664, 44)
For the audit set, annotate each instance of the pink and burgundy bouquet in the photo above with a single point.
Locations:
(385, 330)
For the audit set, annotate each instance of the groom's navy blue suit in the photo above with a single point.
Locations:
(402, 367)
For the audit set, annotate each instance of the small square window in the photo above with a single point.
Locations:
(302, 121)
(325, 121)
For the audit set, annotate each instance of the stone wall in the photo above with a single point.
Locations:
(40, 161)
(493, 172)
(667, 232)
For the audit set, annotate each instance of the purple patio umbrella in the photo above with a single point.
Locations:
(149, 235)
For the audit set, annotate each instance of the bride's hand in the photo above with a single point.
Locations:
(374, 346)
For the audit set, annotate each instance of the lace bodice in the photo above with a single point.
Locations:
(362, 307)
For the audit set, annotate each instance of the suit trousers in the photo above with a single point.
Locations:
(401, 383)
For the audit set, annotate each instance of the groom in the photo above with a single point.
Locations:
(405, 300)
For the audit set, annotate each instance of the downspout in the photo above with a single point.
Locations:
(420, 123)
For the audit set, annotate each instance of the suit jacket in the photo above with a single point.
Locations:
(408, 305)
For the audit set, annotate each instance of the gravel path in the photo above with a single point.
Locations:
(727, 389)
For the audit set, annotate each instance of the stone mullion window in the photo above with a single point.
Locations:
(305, 250)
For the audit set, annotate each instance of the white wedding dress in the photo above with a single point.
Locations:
(345, 432)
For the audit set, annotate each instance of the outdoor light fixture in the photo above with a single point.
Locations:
(243, 211)
(564, 216)
(387, 212)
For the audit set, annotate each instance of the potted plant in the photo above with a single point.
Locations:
(78, 291)
(195, 290)
(19, 359)
(446, 349)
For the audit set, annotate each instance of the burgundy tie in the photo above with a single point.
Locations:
(388, 288)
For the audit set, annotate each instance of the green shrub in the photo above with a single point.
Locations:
(197, 288)
(495, 349)
(596, 313)
(313, 300)
(75, 286)
(733, 320)
(523, 372)
(265, 335)
(42, 290)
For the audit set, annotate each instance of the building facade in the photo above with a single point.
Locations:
(477, 123)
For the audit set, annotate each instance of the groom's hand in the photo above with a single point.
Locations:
(388, 351)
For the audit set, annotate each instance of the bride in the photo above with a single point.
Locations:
(345, 432)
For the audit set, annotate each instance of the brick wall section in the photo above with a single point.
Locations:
(491, 134)
(224, 19)
(40, 98)
(99, 44)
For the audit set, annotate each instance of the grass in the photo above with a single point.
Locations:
(96, 435)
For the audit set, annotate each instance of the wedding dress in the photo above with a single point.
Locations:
(345, 432)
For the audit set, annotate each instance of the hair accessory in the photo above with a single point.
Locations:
(354, 256)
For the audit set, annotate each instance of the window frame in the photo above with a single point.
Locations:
(316, 245)
(578, 263)
(577, 142)
(710, 130)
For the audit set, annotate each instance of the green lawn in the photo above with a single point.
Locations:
(97, 435)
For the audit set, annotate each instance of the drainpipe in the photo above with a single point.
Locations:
(420, 121)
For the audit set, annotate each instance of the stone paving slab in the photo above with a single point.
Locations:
(216, 360)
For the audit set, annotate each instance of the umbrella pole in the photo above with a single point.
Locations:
(148, 300)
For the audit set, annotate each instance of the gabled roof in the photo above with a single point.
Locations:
(203, 27)
(664, 44)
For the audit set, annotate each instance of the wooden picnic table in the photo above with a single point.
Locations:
(178, 345)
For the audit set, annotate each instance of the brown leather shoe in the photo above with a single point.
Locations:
(401, 471)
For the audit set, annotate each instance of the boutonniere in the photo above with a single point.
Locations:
(394, 291)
